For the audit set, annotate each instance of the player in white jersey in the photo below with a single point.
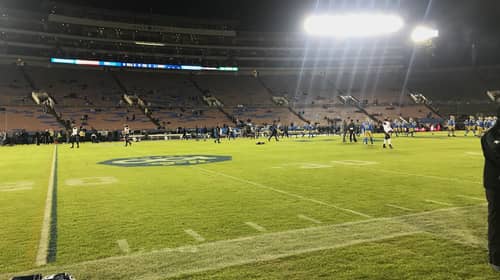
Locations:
(387, 133)
(126, 133)
(75, 137)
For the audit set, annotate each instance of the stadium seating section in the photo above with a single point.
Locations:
(92, 97)
(235, 90)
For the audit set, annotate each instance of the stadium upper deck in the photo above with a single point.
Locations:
(311, 77)
(53, 34)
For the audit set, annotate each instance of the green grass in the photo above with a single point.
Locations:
(270, 185)
(21, 212)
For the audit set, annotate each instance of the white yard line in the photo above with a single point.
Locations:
(123, 244)
(285, 192)
(16, 189)
(438, 202)
(474, 153)
(399, 207)
(424, 176)
(16, 186)
(472, 197)
(43, 246)
(255, 226)
(194, 235)
(304, 217)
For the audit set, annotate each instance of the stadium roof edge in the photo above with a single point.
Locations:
(76, 37)
(76, 10)
(140, 27)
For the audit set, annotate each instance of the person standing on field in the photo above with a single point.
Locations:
(75, 137)
(490, 143)
(387, 133)
(126, 135)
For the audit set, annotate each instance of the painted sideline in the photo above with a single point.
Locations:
(43, 246)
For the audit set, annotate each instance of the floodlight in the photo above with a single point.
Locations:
(353, 25)
(423, 34)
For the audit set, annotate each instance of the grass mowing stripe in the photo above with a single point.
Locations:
(45, 235)
(442, 223)
(285, 192)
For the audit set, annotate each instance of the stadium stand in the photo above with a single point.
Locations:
(107, 118)
(305, 89)
(14, 89)
(464, 93)
(234, 90)
(76, 87)
(271, 66)
(265, 115)
(176, 100)
(407, 111)
(325, 115)
(29, 118)
(161, 88)
(191, 117)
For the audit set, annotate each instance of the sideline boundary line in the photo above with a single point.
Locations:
(285, 192)
(45, 234)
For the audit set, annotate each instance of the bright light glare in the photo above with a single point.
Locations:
(353, 25)
(149, 44)
(423, 34)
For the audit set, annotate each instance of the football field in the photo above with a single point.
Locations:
(300, 208)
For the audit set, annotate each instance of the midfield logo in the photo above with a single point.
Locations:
(166, 160)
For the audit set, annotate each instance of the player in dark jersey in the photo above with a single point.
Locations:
(273, 129)
(216, 131)
(351, 127)
(285, 132)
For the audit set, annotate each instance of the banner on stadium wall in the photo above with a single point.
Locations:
(140, 65)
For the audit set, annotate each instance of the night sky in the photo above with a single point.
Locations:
(286, 15)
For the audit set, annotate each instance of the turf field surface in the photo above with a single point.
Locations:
(300, 207)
